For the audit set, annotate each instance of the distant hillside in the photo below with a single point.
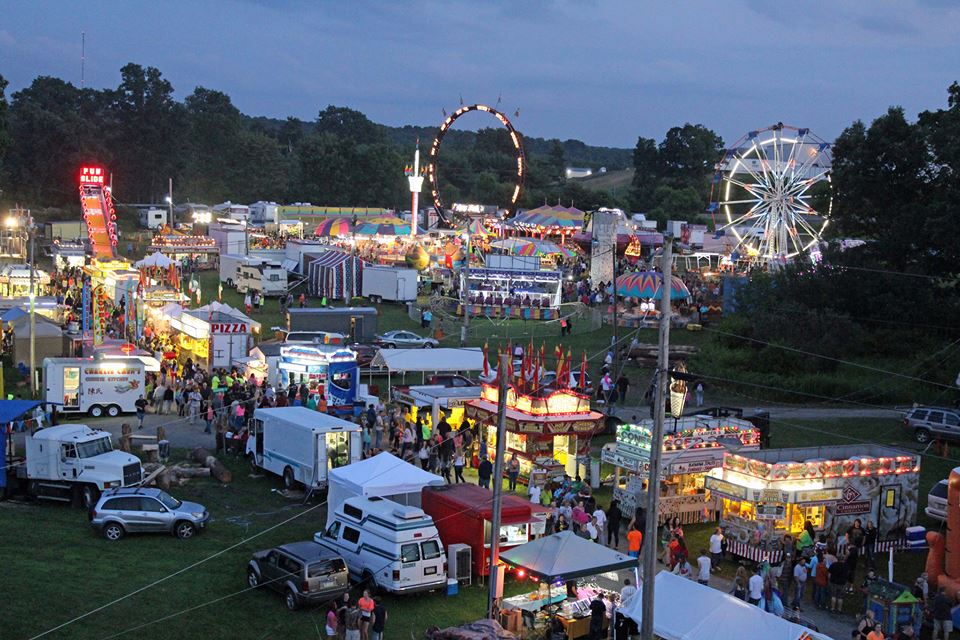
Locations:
(576, 153)
(609, 181)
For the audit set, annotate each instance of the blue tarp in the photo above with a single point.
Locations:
(13, 314)
(10, 410)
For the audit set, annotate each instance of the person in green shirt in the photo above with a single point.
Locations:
(215, 383)
(312, 402)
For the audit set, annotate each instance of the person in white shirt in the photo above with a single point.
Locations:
(703, 567)
(600, 516)
(592, 532)
(627, 591)
(534, 492)
(755, 588)
(716, 548)
(684, 569)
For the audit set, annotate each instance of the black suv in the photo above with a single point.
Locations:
(304, 572)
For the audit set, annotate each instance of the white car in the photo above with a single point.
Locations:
(937, 501)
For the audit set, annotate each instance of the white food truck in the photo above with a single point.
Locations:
(389, 283)
(301, 445)
(269, 278)
(93, 385)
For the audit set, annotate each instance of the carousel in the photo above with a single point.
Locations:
(550, 433)
(158, 277)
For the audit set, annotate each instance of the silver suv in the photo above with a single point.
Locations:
(136, 510)
(304, 572)
(927, 423)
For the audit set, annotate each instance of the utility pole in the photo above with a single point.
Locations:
(33, 316)
(465, 295)
(170, 203)
(498, 477)
(615, 365)
(656, 443)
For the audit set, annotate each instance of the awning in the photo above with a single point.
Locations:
(448, 360)
(566, 556)
(714, 616)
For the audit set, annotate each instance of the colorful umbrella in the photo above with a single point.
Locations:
(333, 227)
(383, 226)
(646, 284)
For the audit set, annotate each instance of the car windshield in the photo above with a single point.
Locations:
(94, 447)
(168, 500)
(939, 490)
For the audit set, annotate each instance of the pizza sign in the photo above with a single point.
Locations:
(228, 327)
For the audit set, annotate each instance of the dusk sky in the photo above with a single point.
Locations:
(602, 72)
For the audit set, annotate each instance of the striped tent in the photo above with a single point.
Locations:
(336, 275)
(550, 219)
(646, 284)
(383, 226)
(333, 227)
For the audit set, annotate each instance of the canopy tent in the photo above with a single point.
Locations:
(438, 360)
(383, 226)
(155, 259)
(719, 616)
(476, 228)
(646, 284)
(565, 556)
(333, 227)
(335, 274)
(531, 247)
(550, 219)
(13, 314)
(10, 410)
(383, 475)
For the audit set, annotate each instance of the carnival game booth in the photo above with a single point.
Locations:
(510, 293)
(202, 251)
(550, 434)
(213, 335)
(766, 494)
(686, 610)
(331, 369)
(692, 446)
(463, 514)
(434, 402)
(558, 559)
(335, 275)
(15, 281)
(384, 475)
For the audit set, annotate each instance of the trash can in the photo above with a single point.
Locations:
(594, 473)
(164, 451)
(453, 587)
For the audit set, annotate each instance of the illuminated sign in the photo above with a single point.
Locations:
(817, 495)
(92, 175)
(228, 327)
(723, 487)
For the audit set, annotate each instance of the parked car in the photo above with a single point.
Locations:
(304, 572)
(365, 353)
(451, 380)
(138, 510)
(933, 422)
(937, 501)
(398, 338)
(549, 382)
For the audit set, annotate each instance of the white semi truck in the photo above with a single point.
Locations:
(73, 463)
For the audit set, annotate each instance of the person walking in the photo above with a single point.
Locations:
(332, 623)
(600, 518)
(458, 462)
(698, 393)
(379, 619)
(634, 542)
(942, 618)
(513, 471)
(739, 589)
(366, 606)
(484, 472)
(598, 612)
(703, 567)
(755, 587)
(141, 405)
(799, 581)
(716, 549)
(614, 516)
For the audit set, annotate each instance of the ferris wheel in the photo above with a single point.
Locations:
(764, 192)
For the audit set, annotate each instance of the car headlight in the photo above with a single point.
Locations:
(197, 514)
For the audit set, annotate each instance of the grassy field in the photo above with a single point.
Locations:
(58, 569)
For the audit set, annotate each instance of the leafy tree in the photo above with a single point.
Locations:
(687, 155)
(557, 161)
(646, 164)
(324, 160)
(215, 126)
(675, 204)
(4, 108)
(348, 124)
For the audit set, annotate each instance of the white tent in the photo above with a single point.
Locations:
(436, 360)
(715, 616)
(383, 475)
(155, 259)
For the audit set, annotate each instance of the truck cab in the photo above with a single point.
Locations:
(75, 462)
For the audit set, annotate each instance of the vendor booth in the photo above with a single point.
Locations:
(432, 401)
(15, 281)
(693, 446)
(425, 361)
(383, 475)
(511, 293)
(67, 254)
(214, 335)
(331, 369)
(558, 559)
(714, 616)
(767, 494)
(201, 251)
(463, 515)
(335, 275)
(549, 434)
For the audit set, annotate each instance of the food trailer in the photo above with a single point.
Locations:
(511, 293)
(463, 514)
(767, 494)
(692, 446)
(332, 369)
(435, 401)
(214, 335)
(550, 434)
(98, 386)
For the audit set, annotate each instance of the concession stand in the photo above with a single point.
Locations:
(511, 293)
(695, 446)
(214, 335)
(548, 433)
(201, 250)
(463, 514)
(767, 494)
(331, 369)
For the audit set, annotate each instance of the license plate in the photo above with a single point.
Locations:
(430, 571)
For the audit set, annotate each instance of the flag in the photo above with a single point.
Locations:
(444, 113)
(565, 379)
(561, 367)
(220, 292)
(583, 373)
(486, 361)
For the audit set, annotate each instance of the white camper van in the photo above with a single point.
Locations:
(301, 445)
(269, 278)
(96, 386)
(396, 547)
